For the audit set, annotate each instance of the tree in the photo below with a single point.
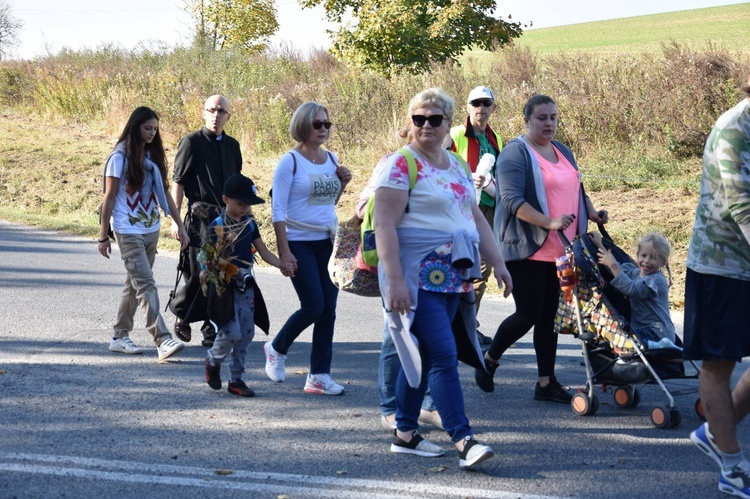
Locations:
(409, 35)
(244, 24)
(9, 28)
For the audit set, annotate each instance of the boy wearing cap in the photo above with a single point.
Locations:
(236, 308)
(472, 140)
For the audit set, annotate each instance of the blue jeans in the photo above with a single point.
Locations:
(437, 348)
(388, 369)
(317, 296)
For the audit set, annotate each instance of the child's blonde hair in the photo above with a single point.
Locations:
(661, 247)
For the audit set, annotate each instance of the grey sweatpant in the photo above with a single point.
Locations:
(235, 337)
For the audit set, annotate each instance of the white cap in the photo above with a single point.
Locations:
(481, 93)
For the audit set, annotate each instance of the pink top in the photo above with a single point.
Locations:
(562, 186)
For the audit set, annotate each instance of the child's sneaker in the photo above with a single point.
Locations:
(736, 481)
(168, 348)
(322, 384)
(275, 363)
(213, 375)
(704, 441)
(418, 446)
(124, 345)
(240, 388)
(474, 453)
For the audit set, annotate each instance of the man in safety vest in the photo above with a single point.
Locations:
(473, 140)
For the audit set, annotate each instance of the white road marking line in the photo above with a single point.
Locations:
(153, 473)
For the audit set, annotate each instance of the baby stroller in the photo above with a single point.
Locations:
(614, 357)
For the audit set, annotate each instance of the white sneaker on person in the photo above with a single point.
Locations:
(124, 345)
(473, 453)
(275, 363)
(418, 446)
(168, 348)
(322, 384)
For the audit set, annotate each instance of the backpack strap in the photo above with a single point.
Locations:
(411, 164)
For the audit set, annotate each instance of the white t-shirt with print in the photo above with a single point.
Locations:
(136, 213)
(441, 200)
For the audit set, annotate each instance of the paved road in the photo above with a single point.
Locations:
(79, 421)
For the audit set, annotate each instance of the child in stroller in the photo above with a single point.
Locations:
(646, 286)
(626, 340)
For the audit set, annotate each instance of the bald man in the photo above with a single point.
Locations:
(204, 160)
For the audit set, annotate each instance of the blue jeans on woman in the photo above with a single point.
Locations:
(437, 349)
(317, 296)
(389, 366)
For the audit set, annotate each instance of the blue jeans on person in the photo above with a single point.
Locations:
(437, 348)
(317, 296)
(389, 366)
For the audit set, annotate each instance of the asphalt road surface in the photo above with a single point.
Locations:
(79, 421)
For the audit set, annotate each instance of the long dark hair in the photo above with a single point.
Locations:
(135, 148)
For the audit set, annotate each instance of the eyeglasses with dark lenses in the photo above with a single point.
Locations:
(217, 110)
(318, 124)
(483, 102)
(435, 120)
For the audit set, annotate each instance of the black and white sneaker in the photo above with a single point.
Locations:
(474, 453)
(417, 446)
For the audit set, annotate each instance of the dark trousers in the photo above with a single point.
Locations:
(536, 291)
(317, 296)
(188, 303)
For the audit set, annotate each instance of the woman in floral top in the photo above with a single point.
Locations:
(429, 240)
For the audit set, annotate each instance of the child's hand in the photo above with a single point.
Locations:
(596, 238)
(606, 258)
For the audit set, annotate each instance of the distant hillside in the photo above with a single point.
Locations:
(728, 27)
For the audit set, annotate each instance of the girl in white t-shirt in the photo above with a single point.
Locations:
(135, 187)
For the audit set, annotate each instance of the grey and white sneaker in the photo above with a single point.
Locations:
(168, 348)
(124, 345)
(473, 453)
(418, 446)
(275, 363)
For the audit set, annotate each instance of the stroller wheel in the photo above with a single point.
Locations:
(661, 417)
(623, 396)
(699, 410)
(583, 405)
(675, 418)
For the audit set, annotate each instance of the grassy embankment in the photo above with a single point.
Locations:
(636, 120)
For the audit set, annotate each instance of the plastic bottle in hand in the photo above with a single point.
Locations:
(486, 162)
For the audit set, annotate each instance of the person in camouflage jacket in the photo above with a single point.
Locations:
(717, 294)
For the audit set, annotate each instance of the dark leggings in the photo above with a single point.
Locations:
(536, 292)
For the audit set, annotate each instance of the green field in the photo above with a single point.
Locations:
(727, 27)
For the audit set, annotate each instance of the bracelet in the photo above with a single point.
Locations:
(103, 240)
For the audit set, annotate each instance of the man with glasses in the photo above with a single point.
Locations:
(472, 140)
(204, 160)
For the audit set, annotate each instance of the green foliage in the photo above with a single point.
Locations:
(391, 36)
(241, 24)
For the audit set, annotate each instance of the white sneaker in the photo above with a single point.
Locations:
(473, 453)
(168, 348)
(275, 363)
(322, 384)
(124, 345)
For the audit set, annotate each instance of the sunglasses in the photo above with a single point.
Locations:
(217, 110)
(318, 124)
(435, 120)
(485, 103)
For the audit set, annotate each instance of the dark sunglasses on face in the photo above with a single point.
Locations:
(217, 110)
(435, 120)
(318, 124)
(485, 103)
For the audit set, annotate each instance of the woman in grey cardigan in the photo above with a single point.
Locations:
(539, 194)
